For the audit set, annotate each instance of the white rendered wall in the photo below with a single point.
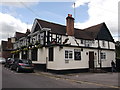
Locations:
(42, 55)
(59, 59)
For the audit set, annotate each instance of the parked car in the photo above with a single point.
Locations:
(2, 60)
(9, 62)
(22, 65)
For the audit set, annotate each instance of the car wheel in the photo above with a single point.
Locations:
(32, 71)
(10, 67)
(17, 69)
(4, 65)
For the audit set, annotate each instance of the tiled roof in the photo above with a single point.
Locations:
(99, 31)
(88, 33)
(56, 28)
(19, 35)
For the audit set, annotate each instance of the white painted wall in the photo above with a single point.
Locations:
(29, 54)
(59, 59)
(20, 54)
(42, 55)
(112, 45)
(110, 55)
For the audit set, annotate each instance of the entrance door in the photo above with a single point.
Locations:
(91, 60)
(34, 54)
(51, 53)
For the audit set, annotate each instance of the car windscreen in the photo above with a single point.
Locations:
(25, 61)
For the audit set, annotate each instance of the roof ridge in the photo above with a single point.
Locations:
(94, 26)
(50, 22)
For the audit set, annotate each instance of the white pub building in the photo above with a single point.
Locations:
(60, 47)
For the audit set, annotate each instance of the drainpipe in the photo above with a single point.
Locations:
(46, 63)
(100, 61)
(99, 52)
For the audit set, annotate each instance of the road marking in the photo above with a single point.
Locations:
(77, 81)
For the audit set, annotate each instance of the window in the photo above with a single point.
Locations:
(81, 41)
(103, 43)
(103, 55)
(68, 54)
(77, 54)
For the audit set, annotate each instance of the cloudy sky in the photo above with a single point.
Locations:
(18, 15)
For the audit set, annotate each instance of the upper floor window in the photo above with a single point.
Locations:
(88, 43)
(103, 43)
(82, 41)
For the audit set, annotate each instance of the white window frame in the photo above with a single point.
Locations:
(70, 52)
(103, 56)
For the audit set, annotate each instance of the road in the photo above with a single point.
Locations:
(11, 79)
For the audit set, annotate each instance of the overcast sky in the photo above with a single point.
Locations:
(18, 15)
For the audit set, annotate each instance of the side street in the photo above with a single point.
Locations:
(40, 79)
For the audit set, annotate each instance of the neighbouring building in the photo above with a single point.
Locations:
(60, 47)
(6, 48)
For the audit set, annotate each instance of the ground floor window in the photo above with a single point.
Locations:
(68, 54)
(103, 55)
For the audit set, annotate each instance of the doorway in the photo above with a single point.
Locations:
(91, 60)
(51, 53)
(34, 54)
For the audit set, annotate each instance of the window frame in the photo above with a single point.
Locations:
(68, 55)
(103, 56)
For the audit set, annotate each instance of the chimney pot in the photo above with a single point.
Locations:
(69, 15)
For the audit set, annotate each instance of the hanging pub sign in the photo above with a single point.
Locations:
(77, 54)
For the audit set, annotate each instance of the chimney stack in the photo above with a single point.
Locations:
(70, 25)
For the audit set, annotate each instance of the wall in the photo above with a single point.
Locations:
(110, 55)
(94, 44)
(6, 54)
(42, 55)
(59, 59)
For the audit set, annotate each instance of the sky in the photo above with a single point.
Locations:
(18, 15)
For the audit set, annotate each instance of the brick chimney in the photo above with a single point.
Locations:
(70, 25)
(9, 44)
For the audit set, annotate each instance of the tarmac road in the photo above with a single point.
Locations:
(11, 79)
